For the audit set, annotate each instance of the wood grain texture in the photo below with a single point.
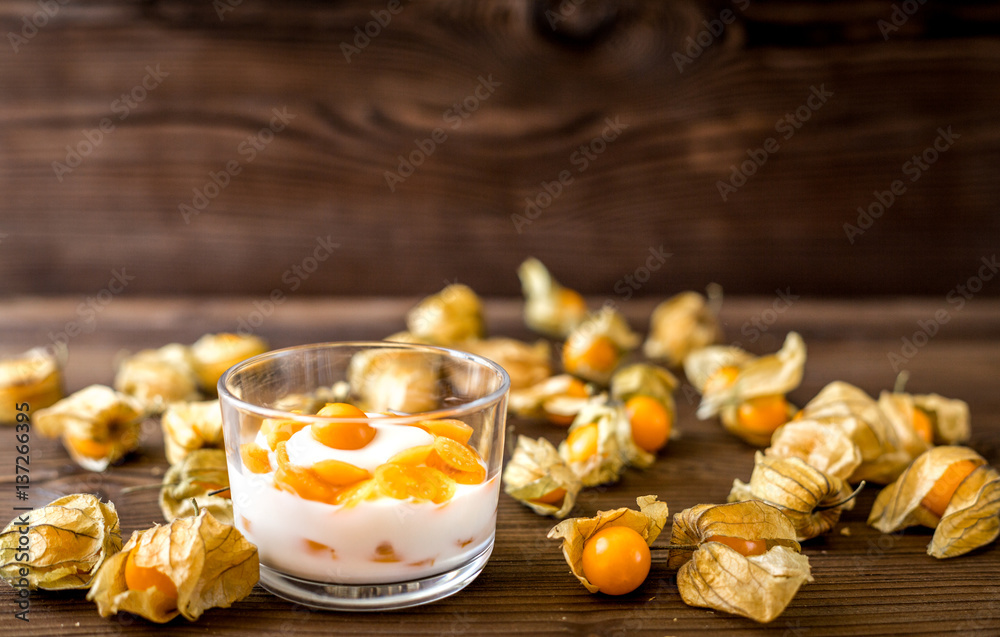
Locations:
(866, 583)
(222, 74)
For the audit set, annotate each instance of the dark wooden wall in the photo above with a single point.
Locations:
(223, 72)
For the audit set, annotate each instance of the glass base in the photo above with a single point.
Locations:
(368, 597)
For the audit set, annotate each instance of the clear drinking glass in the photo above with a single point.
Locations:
(403, 536)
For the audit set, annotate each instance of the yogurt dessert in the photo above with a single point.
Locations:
(351, 501)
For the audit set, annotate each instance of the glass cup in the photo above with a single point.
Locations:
(371, 534)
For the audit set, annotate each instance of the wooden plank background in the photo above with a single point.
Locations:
(220, 69)
(866, 583)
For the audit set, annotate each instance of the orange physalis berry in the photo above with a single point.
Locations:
(343, 435)
(599, 354)
(418, 482)
(582, 442)
(413, 455)
(89, 448)
(616, 560)
(449, 428)
(738, 544)
(555, 496)
(922, 425)
(763, 414)
(937, 499)
(650, 422)
(721, 379)
(339, 474)
(140, 578)
(255, 458)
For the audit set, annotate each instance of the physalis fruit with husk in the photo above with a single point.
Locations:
(949, 489)
(811, 499)
(921, 422)
(34, 377)
(647, 393)
(822, 445)
(740, 558)
(156, 377)
(537, 477)
(747, 392)
(453, 315)
(183, 568)
(98, 425)
(595, 347)
(682, 324)
(558, 399)
(549, 307)
(188, 426)
(196, 483)
(609, 553)
(395, 381)
(68, 540)
(526, 363)
(213, 354)
(594, 449)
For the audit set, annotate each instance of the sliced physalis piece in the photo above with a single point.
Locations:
(748, 392)
(822, 445)
(190, 426)
(418, 482)
(68, 540)
(98, 425)
(255, 458)
(349, 434)
(157, 377)
(213, 354)
(595, 347)
(843, 405)
(453, 315)
(647, 391)
(740, 558)
(526, 363)
(397, 381)
(949, 489)
(449, 428)
(682, 324)
(603, 552)
(811, 499)
(357, 493)
(187, 486)
(549, 307)
(183, 568)
(276, 431)
(35, 378)
(536, 476)
(458, 461)
(557, 399)
(339, 473)
(594, 450)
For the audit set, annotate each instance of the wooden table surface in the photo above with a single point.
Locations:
(865, 583)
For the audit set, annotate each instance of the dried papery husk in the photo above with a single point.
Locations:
(34, 377)
(972, 517)
(210, 563)
(949, 417)
(750, 520)
(156, 377)
(759, 587)
(700, 365)
(190, 426)
(453, 315)
(843, 405)
(98, 425)
(774, 374)
(683, 324)
(394, 380)
(188, 485)
(534, 472)
(558, 398)
(213, 354)
(811, 499)
(607, 325)
(549, 307)
(899, 412)
(822, 445)
(643, 379)
(648, 521)
(69, 539)
(607, 464)
(526, 363)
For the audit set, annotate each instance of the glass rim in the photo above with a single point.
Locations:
(472, 406)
